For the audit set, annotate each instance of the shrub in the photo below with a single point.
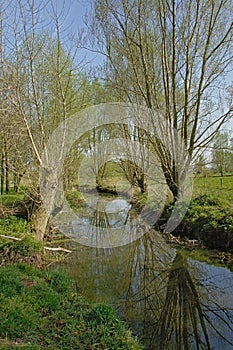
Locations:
(208, 220)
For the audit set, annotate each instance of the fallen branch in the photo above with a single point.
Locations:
(10, 237)
(57, 249)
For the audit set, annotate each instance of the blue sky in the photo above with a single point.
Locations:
(76, 10)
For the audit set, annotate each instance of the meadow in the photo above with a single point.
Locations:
(215, 186)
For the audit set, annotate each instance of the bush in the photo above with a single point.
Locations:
(208, 220)
(205, 199)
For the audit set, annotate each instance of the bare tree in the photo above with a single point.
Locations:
(171, 57)
(42, 89)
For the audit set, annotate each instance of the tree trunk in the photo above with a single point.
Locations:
(171, 178)
(39, 219)
(2, 169)
(100, 177)
(16, 182)
(7, 172)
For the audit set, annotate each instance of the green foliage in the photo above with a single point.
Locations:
(220, 188)
(101, 321)
(76, 201)
(74, 197)
(26, 249)
(14, 226)
(208, 219)
(206, 200)
(42, 310)
(6, 345)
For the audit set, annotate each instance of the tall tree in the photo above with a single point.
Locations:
(171, 57)
(222, 154)
(42, 90)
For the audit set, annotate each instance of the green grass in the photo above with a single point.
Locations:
(7, 345)
(215, 186)
(209, 217)
(43, 310)
(209, 220)
(27, 249)
(13, 226)
(12, 197)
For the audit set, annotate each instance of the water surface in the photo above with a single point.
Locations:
(169, 301)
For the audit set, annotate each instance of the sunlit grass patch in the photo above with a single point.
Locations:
(215, 186)
(12, 197)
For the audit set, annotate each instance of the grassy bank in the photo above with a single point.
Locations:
(210, 214)
(209, 217)
(21, 246)
(43, 310)
(215, 186)
(209, 220)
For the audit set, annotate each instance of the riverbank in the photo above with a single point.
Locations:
(42, 308)
(29, 313)
(196, 250)
(208, 222)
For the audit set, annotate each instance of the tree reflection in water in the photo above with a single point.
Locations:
(184, 311)
(156, 290)
(182, 316)
(178, 311)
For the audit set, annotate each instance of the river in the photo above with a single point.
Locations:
(168, 300)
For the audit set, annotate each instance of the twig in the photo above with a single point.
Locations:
(10, 237)
(58, 249)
